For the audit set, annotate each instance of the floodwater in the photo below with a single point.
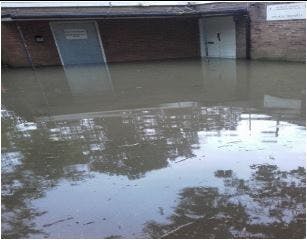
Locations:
(171, 149)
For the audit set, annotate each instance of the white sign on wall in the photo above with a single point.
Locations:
(73, 34)
(286, 11)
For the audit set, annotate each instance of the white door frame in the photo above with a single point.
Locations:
(202, 38)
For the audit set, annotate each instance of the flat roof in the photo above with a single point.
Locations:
(95, 3)
(40, 13)
(7, 4)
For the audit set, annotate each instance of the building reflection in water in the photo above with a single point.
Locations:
(53, 91)
(168, 128)
(88, 79)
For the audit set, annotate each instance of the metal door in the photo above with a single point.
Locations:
(77, 42)
(219, 36)
(82, 56)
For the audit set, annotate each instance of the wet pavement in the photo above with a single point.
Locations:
(172, 149)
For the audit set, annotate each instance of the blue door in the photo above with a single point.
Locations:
(77, 42)
(82, 56)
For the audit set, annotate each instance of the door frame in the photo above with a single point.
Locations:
(203, 36)
(97, 32)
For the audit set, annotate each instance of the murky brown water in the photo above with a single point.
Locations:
(173, 149)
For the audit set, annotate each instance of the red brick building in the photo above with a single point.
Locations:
(56, 35)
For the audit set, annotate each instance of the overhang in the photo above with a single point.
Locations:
(46, 13)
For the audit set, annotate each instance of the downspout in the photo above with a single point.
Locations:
(248, 33)
(248, 37)
(32, 65)
(29, 57)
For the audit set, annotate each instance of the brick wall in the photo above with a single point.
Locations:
(13, 52)
(276, 40)
(44, 53)
(123, 40)
(148, 39)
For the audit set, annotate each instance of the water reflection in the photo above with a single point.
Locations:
(103, 165)
(90, 80)
(87, 89)
(270, 204)
(128, 142)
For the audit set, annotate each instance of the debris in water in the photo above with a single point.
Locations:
(223, 146)
(130, 145)
(59, 221)
(234, 142)
(193, 155)
(88, 223)
(176, 229)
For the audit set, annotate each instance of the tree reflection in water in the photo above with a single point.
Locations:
(270, 204)
(131, 144)
(32, 163)
(36, 156)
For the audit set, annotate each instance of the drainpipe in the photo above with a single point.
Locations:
(25, 46)
(248, 37)
(32, 65)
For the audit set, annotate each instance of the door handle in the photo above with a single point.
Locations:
(218, 35)
(210, 42)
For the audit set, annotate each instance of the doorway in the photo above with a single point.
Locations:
(218, 37)
(82, 55)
